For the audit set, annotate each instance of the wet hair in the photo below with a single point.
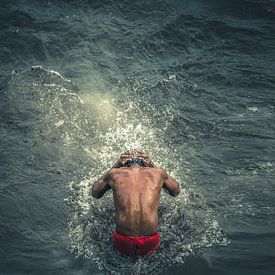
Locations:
(134, 161)
(137, 157)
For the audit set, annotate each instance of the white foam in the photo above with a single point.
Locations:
(185, 223)
(252, 109)
(98, 129)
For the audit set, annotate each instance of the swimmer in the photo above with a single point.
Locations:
(136, 184)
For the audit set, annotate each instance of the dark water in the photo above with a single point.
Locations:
(192, 82)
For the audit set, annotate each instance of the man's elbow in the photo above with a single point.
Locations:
(97, 195)
(176, 192)
(94, 193)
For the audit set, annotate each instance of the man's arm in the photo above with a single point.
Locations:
(171, 185)
(101, 186)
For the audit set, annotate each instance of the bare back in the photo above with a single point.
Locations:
(136, 192)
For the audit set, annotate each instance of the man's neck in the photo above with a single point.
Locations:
(135, 167)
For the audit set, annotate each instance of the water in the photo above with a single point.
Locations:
(190, 82)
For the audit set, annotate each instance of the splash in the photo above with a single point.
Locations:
(186, 224)
(86, 133)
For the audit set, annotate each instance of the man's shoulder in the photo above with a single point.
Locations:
(118, 171)
(153, 170)
(157, 170)
(127, 170)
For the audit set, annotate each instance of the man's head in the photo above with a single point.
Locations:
(135, 157)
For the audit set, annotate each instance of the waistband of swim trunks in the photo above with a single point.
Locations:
(143, 236)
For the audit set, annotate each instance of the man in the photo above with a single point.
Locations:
(136, 183)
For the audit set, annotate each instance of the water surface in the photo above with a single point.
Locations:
(190, 82)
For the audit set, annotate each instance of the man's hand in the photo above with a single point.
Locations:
(129, 155)
(122, 160)
(145, 158)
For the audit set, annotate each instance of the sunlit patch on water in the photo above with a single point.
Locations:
(89, 133)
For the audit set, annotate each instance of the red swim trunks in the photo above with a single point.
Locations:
(135, 246)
